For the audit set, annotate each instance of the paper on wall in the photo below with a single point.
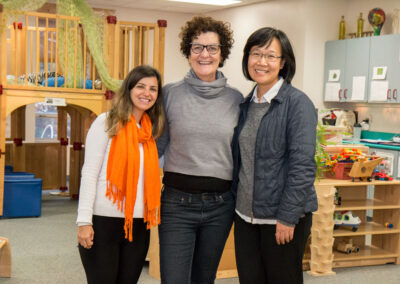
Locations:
(358, 89)
(332, 92)
(379, 73)
(334, 75)
(378, 91)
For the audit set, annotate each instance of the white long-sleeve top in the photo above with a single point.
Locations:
(92, 195)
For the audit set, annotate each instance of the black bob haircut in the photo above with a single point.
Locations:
(265, 36)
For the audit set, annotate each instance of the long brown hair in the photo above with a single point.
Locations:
(122, 105)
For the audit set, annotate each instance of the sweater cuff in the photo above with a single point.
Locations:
(84, 216)
(83, 224)
(286, 223)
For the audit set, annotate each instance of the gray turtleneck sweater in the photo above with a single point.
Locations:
(201, 117)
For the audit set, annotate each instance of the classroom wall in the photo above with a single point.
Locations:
(287, 15)
(308, 24)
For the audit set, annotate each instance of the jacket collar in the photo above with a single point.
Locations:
(282, 94)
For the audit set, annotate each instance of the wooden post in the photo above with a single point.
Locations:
(18, 123)
(322, 239)
(116, 51)
(111, 21)
(162, 24)
(3, 72)
(62, 133)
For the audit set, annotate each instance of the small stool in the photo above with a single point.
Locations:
(5, 258)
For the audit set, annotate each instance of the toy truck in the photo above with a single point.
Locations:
(346, 218)
(364, 169)
(346, 246)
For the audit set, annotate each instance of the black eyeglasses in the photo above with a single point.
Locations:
(256, 55)
(211, 49)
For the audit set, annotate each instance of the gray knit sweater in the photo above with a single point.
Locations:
(247, 144)
(201, 117)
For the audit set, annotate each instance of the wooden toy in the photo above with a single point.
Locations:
(363, 169)
(346, 246)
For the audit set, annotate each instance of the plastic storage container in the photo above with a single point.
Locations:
(22, 197)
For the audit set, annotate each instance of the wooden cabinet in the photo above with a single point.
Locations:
(356, 60)
(378, 244)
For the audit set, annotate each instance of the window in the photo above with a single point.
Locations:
(46, 118)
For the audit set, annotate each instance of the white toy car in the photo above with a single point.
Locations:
(346, 218)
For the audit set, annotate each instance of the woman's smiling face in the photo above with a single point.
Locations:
(205, 65)
(264, 72)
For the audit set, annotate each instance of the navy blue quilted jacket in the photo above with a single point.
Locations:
(284, 170)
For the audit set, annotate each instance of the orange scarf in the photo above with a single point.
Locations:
(123, 172)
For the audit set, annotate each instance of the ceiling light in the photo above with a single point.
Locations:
(210, 2)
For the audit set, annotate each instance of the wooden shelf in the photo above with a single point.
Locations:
(370, 228)
(378, 244)
(367, 252)
(366, 204)
(338, 182)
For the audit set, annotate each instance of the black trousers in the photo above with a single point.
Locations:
(261, 260)
(112, 258)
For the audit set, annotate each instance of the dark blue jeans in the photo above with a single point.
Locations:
(193, 232)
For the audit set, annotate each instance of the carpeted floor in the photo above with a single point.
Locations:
(44, 251)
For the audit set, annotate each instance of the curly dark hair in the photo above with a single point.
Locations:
(201, 24)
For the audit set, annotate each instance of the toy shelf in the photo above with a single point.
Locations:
(366, 204)
(370, 228)
(366, 252)
(379, 200)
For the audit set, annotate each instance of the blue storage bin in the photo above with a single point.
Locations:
(19, 175)
(22, 197)
(8, 169)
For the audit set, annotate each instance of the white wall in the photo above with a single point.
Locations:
(308, 24)
(286, 15)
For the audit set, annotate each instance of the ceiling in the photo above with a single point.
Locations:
(165, 5)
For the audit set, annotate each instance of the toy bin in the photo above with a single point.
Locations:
(340, 171)
(8, 169)
(22, 197)
(19, 175)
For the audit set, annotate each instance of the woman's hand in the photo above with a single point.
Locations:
(85, 236)
(283, 234)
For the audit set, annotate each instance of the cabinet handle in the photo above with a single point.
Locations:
(344, 93)
(394, 94)
(388, 94)
(339, 94)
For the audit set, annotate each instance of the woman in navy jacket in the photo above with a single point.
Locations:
(274, 167)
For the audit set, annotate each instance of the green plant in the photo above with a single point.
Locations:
(320, 155)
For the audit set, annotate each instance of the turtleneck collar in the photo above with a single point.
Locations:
(206, 89)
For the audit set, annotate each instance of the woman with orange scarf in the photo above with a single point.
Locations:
(120, 187)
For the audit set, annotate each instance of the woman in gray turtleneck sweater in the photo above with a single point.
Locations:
(197, 206)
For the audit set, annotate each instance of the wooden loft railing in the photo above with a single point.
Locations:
(134, 43)
(30, 55)
(30, 52)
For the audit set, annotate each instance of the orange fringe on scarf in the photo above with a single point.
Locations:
(123, 172)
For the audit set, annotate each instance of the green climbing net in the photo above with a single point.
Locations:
(93, 27)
